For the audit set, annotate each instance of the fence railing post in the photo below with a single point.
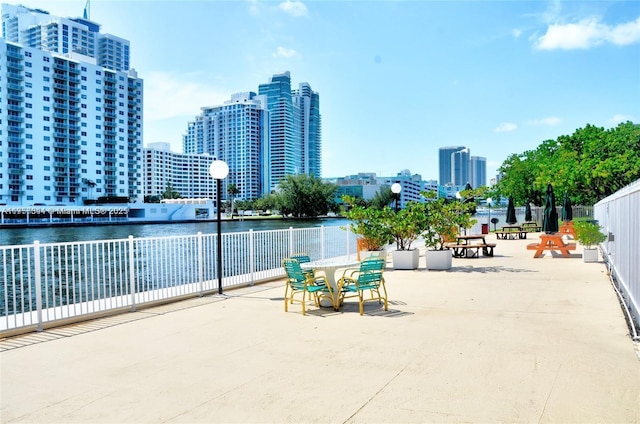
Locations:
(38, 276)
(322, 241)
(200, 264)
(290, 241)
(252, 258)
(132, 273)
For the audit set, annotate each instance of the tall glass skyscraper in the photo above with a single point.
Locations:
(285, 153)
(445, 164)
(460, 166)
(307, 103)
(295, 143)
(478, 171)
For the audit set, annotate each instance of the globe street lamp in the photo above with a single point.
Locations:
(219, 171)
(396, 188)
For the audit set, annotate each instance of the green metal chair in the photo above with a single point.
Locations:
(299, 282)
(304, 258)
(354, 283)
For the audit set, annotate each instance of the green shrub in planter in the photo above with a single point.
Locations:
(444, 219)
(369, 223)
(588, 233)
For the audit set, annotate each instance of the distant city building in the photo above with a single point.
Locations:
(263, 137)
(70, 117)
(295, 129)
(367, 185)
(187, 174)
(478, 171)
(307, 103)
(446, 172)
(236, 132)
(460, 167)
(457, 168)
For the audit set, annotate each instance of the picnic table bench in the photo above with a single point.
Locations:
(463, 249)
(471, 250)
(567, 229)
(551, 242)
(531, 227)
(511, 232)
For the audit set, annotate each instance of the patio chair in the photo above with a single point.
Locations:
(354, 283)
(304, 258)
(299, 282)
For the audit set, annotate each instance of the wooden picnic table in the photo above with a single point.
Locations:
(464, 248)
(511, 232)
(567, 229)
(551, 242)
(531, 226)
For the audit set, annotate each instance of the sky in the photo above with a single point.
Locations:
(397, 79)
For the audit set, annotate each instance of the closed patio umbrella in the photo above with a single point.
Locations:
(550, 216)
(566, 213)
(511, 212)
(527, 213)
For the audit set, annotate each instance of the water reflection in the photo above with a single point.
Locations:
(19, 236)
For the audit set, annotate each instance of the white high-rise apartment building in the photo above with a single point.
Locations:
(76, 38)
(71, 112)
(187, 174)
(236, 132)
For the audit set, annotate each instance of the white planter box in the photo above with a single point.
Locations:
(590, 255)
(438, 259)
(405, 259)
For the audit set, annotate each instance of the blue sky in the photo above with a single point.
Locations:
(397, 79)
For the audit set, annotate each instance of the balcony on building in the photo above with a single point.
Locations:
(15, 87)
(14, 76)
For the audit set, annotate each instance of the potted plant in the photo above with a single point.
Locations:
(589, 235)
(406, 226)
(443, 221)
(369, 225)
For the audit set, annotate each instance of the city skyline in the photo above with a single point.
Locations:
(398, 79)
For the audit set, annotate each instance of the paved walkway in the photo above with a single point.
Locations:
(504, 339)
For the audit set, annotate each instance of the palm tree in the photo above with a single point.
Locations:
(233, 191)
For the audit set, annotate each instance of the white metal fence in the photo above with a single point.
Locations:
(619, 217)
(42, 283)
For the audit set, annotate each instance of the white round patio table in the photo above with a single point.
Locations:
(330, 266)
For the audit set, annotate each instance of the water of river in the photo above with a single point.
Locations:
(18, 236)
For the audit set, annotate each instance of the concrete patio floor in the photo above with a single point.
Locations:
(495, 339)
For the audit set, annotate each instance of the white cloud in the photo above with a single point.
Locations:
(622, 118)
(505, 127)
(550, 121)
(516, 33)
(293, 8)
(588, 33)
(284, 52)
(171, 95)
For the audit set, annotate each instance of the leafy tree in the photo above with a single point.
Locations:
(233, 192)
(170, 193)
(383, 197)
(589, 164)
(267, 202)
(305, 196)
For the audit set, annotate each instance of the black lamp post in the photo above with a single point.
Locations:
(219, 171)
(396, 188)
